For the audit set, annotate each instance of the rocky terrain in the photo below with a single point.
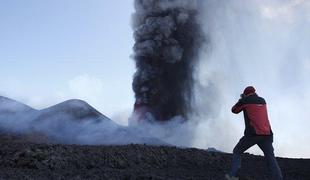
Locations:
(20, 159)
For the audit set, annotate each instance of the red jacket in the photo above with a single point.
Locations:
(255, 115)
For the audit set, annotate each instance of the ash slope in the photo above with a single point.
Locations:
(20, 160)
(70, 122)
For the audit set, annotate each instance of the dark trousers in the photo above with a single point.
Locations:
(265, 144)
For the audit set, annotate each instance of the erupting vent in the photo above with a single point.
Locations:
(168, 37)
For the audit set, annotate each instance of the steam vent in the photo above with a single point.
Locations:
(167, 41)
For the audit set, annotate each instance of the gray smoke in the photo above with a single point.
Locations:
(168, 38)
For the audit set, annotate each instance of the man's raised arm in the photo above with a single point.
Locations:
(238, 107)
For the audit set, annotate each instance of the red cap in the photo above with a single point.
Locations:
(249, 90)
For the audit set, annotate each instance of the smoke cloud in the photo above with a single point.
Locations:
(168, 38)
(260, 43)
(264, 43)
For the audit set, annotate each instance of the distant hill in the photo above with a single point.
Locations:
(10, 106)
(74, 109)
(70, 122)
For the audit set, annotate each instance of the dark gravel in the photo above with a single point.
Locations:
(20, 159)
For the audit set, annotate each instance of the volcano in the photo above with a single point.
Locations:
(70, 122)
(74, 109)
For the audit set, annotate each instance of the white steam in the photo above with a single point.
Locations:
(264, 43)
(70, 122)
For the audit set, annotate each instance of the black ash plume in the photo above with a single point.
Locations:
(167, 41)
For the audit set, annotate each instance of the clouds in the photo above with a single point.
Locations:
(99, 92)
(286, 11)
(104, 97)
(86, 87)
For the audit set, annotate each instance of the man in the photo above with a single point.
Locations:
(257, 131)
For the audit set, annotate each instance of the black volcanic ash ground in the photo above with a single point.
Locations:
(21, 159)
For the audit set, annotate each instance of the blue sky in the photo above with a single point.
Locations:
(47, 48)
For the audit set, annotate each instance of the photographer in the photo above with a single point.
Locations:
(257, 131)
